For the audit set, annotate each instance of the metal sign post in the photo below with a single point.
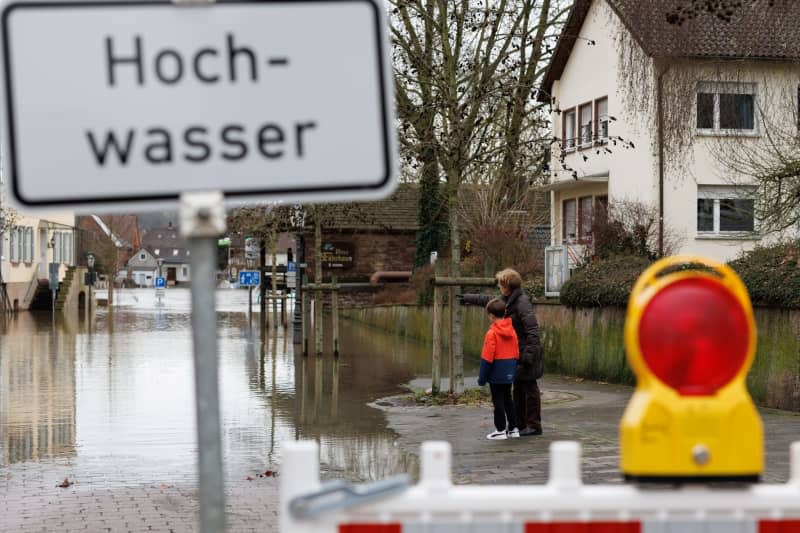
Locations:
(161, 285)
(202, 221)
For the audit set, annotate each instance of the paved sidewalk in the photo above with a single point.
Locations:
(31, 501)
(592, 419)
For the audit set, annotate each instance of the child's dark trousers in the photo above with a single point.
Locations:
(503, 406)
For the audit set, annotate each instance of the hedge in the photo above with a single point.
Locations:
(770, 273)
(603, 282)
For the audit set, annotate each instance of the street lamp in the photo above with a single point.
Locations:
(298, 220)
(89, 281)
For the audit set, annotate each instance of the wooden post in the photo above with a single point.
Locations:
(335, 316)
(274, 257)
(335, 390)
(318, 331)
(436, 362)
(451, 352)
(458, 343)
(283, 309)
(318, 280)
(304, 313)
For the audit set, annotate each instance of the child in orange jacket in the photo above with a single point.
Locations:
(498, 365)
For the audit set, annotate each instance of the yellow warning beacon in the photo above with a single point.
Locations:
(690, 338)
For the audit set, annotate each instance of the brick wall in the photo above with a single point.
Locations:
(373, 252)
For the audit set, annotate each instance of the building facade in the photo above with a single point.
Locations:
(28, 247)
(649, 111)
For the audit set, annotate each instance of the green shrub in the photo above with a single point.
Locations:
(603, 282)
(772, 274)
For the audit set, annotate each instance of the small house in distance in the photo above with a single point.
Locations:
(166, 245)
(143, 268)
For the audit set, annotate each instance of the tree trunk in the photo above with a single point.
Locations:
(457, 383)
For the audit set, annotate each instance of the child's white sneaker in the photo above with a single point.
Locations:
(497, 435)
(513, 434)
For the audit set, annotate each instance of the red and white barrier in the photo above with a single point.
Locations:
(563, 505)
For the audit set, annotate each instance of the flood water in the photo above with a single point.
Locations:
(120, 398)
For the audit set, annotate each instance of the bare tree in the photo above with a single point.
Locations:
(466, 74)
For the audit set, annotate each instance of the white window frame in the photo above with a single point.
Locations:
(602, 118)
(570, 139)
(716, 88)
(565, 238)
(725, 192)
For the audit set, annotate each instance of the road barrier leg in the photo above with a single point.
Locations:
(300, 475)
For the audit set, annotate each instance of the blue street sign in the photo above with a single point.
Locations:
(291, 267)
(161, 283)
(249, 278)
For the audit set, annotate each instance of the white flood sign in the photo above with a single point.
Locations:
(129, 102)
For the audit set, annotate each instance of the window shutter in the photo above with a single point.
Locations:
(15, 245)
(28, 252)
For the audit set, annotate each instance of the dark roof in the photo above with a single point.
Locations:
(396, 213)
(755, 30)
(167, 241)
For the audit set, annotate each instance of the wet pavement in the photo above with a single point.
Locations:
(111, 409)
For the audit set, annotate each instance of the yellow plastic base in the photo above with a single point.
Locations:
(663, 435)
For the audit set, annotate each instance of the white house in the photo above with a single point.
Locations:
(668, 101)
(143, 268)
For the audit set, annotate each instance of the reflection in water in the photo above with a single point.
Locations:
(37, 394)
(120, 399)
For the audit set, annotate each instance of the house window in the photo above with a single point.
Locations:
(175, 252)
(568, 142)
(585, 214)
(142, 257)
(570, 216)
(185, 271)
(726, 108)
(157, 251)
(725, 210)
(586, 125)
(601, 119)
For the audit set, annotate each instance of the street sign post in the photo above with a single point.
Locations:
(249, 279)
(154, 99)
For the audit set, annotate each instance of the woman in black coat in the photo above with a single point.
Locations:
(527, 398)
